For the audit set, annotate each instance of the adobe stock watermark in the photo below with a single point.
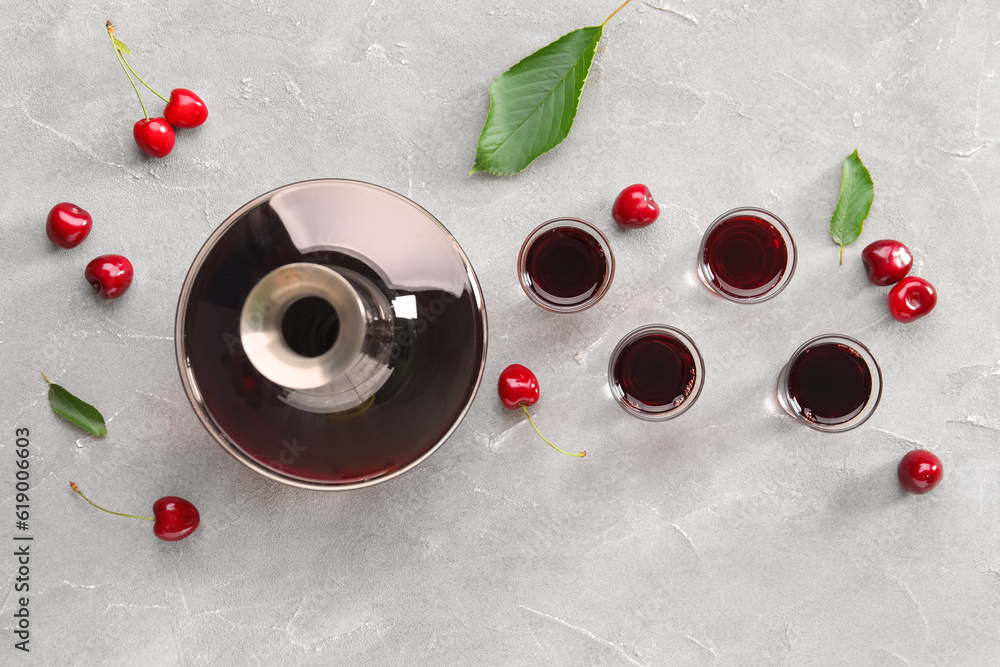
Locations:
(289, 454)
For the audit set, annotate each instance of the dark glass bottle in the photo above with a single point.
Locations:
(331, 334)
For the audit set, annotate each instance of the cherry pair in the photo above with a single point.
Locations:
(67, 226)
(155, 136)
(887, 263)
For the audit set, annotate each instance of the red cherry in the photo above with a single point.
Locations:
(919, 471)
(176, 518)
(110, 275)
(154, 136)
(886, 261)
(518, 386)
(635, 207)
(911, 299)
(68, 225)
(185, 109)
(173, 518)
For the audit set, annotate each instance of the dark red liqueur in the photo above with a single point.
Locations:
(746, 256)
(656, 371)
(831, 383)
(566, 266)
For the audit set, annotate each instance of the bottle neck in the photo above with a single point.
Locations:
(303, 326)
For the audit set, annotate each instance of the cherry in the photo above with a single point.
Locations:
(154, 136)
(176, 518)
(518, 388)
(185, 109)
(110, 275)
(173, 518)
(886, 261)
(68, 225)
(911, 299)
(635, 207)
(919, 471)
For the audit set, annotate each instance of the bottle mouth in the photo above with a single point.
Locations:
(303, 326)
(310, 326)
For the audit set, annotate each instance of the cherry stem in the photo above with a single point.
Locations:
(76, 488)
(615, 12)
(140, 79)
(525, 408)
(121, 61)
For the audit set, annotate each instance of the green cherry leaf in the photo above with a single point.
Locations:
(120, 46)
(857, 192)
(79, 412)
(533, 104)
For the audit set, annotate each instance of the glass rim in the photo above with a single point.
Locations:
(574, 223)
(676, 334)
(868, 409)
(704, 272)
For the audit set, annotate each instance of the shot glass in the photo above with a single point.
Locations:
(832, 383)
(656, 372)
(566, 265)
(747, 255)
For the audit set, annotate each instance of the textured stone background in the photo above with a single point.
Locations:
(730, 536)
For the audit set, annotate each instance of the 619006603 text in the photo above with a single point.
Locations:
(22, 541)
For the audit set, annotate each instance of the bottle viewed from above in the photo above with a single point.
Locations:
(331, 334)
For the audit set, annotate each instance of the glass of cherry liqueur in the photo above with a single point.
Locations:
(747, 255)
(566, 265)
(832, 383)
(656, 372)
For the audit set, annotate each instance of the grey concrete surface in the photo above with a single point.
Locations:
(730, 536)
